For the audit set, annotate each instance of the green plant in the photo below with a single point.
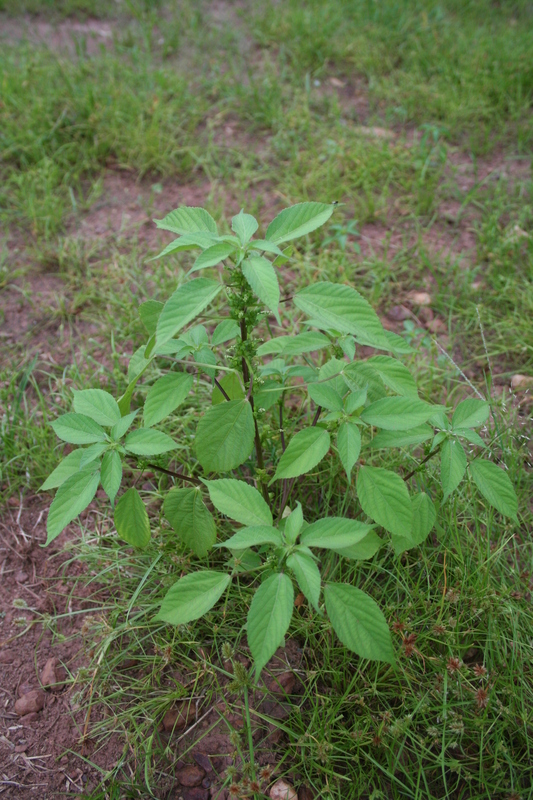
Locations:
(270, 420)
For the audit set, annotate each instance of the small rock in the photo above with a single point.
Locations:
(7, 656)
(420, 298)
(48, 674)
(425, 315)
(203, 761)
(305, 793)
(21, 577)
(398, 313)
(176, 719)
(30, 703)
(437, 326)
(281, 684)
(21, 748)
(191, 775)
(194, 793)
(24, 688)
(13, 501)
(521, 381)
(282, 790)
(29, 719)
(336, 82)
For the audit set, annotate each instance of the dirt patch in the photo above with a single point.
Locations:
(64, 35)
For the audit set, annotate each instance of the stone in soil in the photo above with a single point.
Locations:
(51, 674)
(190, 775)
(30, 703)
(282, 790)
(176, 719)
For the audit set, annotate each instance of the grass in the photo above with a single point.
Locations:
(415, 115)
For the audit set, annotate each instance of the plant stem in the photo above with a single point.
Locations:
(421, 464)
(249, 732)
(189, 478)
(257, 437)
(222, 390)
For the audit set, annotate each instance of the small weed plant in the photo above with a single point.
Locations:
(270, 413)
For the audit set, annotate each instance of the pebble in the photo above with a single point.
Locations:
(420, 298)
(281, 684)
(190, 776)
(49, 676)
(30, 703)
(7, 656)
(29, 719)
(398, 313)
(282, 790)
(521, 381)
(176, 719)
(21, 577)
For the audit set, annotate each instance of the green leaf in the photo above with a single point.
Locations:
(397, 413)
(149, 312)
(120, 428)
(72, 497)
(252, 537)
(395, 375)
(470, 436)
(239, 501)
(224, 331)
(188, 219)
(192, 596)
(231, 385)
(333, 533)
(131, 519)
(349, 446)
(293, 524)
(307, 574)
(326, 396)
(470, 414)
(294, 345)
(342, 308)
(67, 467)
(184, 305)
(330, 374)
(398, 344)
(225, 436)
(364, 549)
(401, 438)
(212, 256)
(268, 247)
(304, 451)
(358, 622)
(98, 405)
(269, 393)
(384, 497)
(298, 220)
(78, 429)
(424, 516)
(193, 522)
(244, 225)
(187, 242)
(262, 277)
(359, 376)
(269, 618)
(146, 442)
(92, 452)
(111, 475)
(495, 486)
(452, 466)
(355, 401)
(165, 396)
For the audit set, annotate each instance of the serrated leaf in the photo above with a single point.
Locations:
(187, 242)
(398, 344)
(67, 467)
(239, 501)
(342, 308)
(186, 511)
(98, 405)
(111, 474)
(147, 442)
(424, 516)
(354, 401)
(298, 220)
(188, 219)
(192, 596)
(212, 256)
(269, 618)
(131, 519)
(149, 312)
(495, 486)
(78, 429)
(358, 622)
(359, 376)
(252, 537)
(349, 446)
(262, 277)
(72, 497)
(184, 305)
(206, 360)
(231, 385)
(293, 524)
(470, 435)
(122, 426)
(364, 549)
(307, 574)
(333, 533)
(294, 345)
(384, 497)
(269, 393)
(330, 374)
(395, 375)
(166, 394)
(92, 452)
(397, 413)
(304, 451)
(225, 436)
(326, 396)
(401, 438)
(224, 331)
(470, 413)
(244, 225)
(452, 466)
(267, 247)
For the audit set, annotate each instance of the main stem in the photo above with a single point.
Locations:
(246, 378)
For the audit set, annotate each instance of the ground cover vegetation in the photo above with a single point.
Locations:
(415, 118)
